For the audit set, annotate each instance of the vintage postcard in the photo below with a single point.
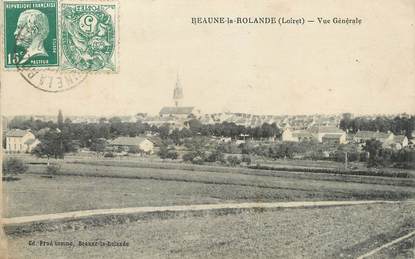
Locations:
(207, 129)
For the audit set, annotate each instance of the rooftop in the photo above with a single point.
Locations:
(176, 110)
(17, 133)
(30, 141)
(302, 134)
(128, 141)
(372, 134)
(399, 138)
(332, 136)
(325, 129)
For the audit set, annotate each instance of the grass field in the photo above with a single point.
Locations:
(83, 186)
(336, 232)
(403, 249)
(280, 164)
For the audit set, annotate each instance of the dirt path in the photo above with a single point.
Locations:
(375, 251)
(16, 221)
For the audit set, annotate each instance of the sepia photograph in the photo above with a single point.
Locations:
(207, 129)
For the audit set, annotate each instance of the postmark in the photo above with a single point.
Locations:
(31, 34)
(52, 80)
(89, 36)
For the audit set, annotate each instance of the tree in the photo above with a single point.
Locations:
(60, 119)
(13, 166)
(216, 156)
(102, 120)
(233, 160)
(54, 143)
(188, 157)
(196, 157)
(373, 147)
(43, 150)
(164, 131)
(246, 159)
(115, 120)
(168, 152)
(98, 145)
(195, 126)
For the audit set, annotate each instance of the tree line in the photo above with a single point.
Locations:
(65, 136)
(398, 125)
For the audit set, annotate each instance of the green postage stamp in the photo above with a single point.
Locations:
(30, 34)
(88, 37)
(67, 35)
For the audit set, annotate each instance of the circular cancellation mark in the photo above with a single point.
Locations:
(46, 79)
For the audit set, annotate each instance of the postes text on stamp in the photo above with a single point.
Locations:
(30, 34)
(88, 37)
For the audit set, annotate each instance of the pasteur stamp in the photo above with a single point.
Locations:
(88, 36)
(30, 34)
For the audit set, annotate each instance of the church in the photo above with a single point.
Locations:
(178, 110)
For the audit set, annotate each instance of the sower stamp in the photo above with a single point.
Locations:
(30, 34)
(89, 37)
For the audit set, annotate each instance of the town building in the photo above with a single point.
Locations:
(20, 141)
(363, 136)
(178, 111)
(296, 135)
(388, 139)
(399, 142)
(320, 131)
(334, 139)
(320, 134)
(130, 144)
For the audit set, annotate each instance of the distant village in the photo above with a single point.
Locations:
(175, 125)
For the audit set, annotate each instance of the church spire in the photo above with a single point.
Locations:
(178, 92)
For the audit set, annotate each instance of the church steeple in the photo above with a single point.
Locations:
(178, 92)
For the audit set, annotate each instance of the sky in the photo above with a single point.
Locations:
(259, 69)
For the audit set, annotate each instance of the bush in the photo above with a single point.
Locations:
(134, 150)
(172, 154)
(14, 166)
(198, 160)
(353, 156)
(398, 174)
(109, 155)
(233, 160)
(53, 169)
(364, 156)
(188, 157)
(246, 159)
(216, 156)
(168, 152)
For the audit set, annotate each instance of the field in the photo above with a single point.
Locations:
(85, 186)
(332, 232)
(337, 232)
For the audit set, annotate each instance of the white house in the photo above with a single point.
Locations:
(320, 131)
(20, 141)
(399, 142)
(334, 139)
(362, 136)
(296, 135)
(331, 134)
(128, 143)
(287, 135)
